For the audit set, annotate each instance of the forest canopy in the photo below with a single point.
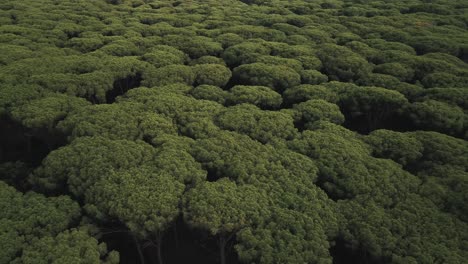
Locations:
(252, 131)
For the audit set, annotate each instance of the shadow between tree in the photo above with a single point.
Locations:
(121, 86)
(180, 244)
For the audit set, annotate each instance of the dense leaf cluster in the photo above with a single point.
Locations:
(285, 131)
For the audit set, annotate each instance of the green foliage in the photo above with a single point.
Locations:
(31, 216)
(345, 163)
(374, 103)
(290, 237)
(427, 44)
(229, 39)
(229, 154)
(160, 58)
(384, 45)
(249, 31)
(70, 246)
(437, 116)
(442, 79)
(224, 208)
(430, 8)
(440, 149)
(400, 71)
(120, 48)
(310, 62)
(212, 74)
(170, 74)
(243, 53)
(340, 63)
(399, 147)
(85, 76)
(169, 49)
(88, 44)
(446, 186)
(286, 28)
(364, 49)
(255, 2)
(290, 51)
(453, 96)
(16, 95)
(116, 121)
(317, 110)
(261, 96)
(11, 53)
(264, 126)
(306, 92)
(413, 231)
(274, 60)
(146, 200)
(209, 92)
(194, 46)
(208, 60)
(45, 112)
(174, 105)
(313, 77)
(256, 157)
(65, 166)
(411, 91)
(379, 80)
(426, 65)
(276, 77)
(15, 173)
(317, 35)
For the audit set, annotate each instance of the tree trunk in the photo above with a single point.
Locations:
(222, 249)
(176, 236)
(138, 247)
(121, 88)
(29, 144)
(158, 242)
